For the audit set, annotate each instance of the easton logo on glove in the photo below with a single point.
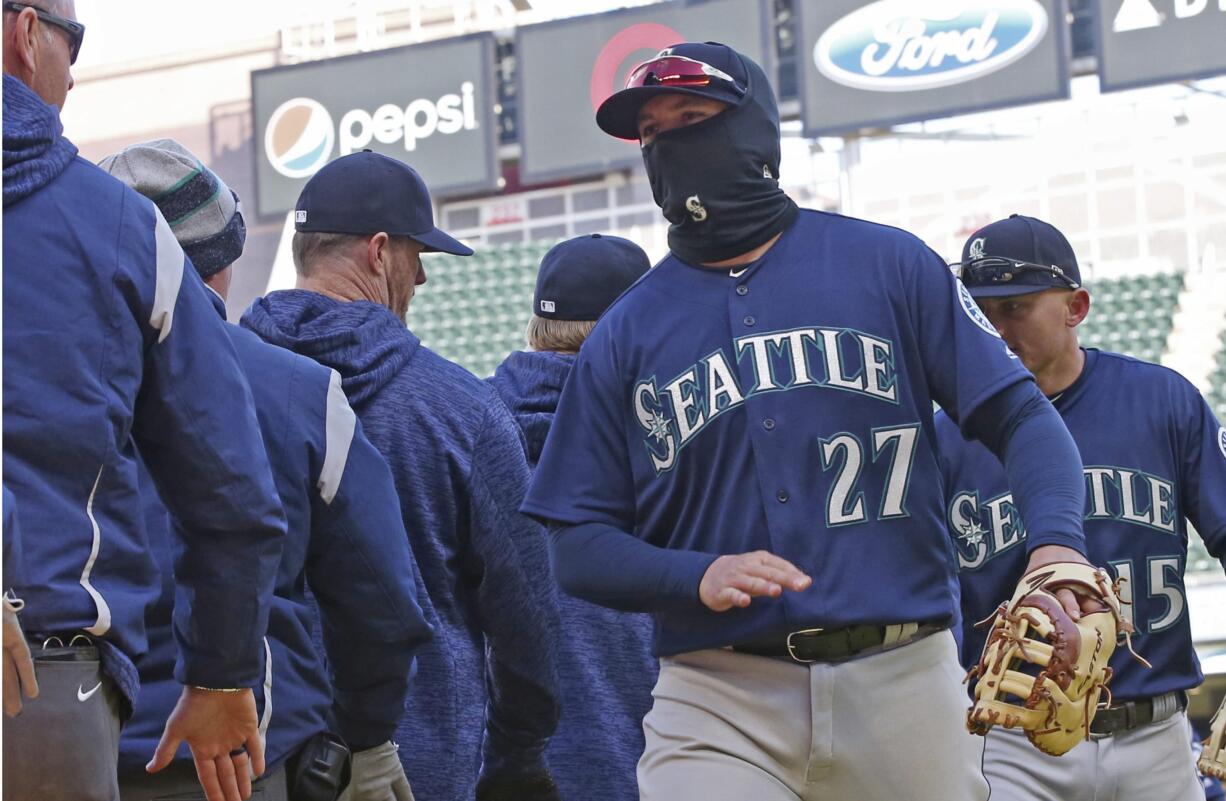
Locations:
(1041, 671)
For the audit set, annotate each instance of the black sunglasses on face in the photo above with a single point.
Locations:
(999, 270)
(75, 30)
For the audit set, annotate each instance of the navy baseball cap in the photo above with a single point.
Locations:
(703, 69)
(367, 192)
(1017, 256)
(581, 277)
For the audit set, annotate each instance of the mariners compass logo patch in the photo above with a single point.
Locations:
(973, 311)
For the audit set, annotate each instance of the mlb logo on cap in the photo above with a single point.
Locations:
(547, 306)
(300, 216)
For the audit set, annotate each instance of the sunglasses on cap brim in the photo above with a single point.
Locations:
(677, 71)
(999, 270)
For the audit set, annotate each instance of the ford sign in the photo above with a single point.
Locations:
(910, 45)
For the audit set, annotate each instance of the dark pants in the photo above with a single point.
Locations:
(64, 746)
(178, 782)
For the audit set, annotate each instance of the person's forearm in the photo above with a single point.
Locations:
(1041, 462)
(607, 566)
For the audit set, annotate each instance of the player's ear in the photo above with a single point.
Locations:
(378, 253)
(21, 45)
(1077, 307)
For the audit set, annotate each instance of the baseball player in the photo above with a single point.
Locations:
(484, 701)
(346, 560)
(605, 667)
(745, 449)
(109, 338)
(1155, 458)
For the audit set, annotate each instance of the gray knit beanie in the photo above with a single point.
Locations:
(203, 212)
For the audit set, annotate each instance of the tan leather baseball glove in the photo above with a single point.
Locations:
(1041, 671)
(1212, 760)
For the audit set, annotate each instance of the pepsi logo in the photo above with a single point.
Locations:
(299, 137)
(911, 45)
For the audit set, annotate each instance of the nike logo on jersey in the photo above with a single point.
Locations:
(84, 696)
(738, 273)
(834, 358)
(984, 529)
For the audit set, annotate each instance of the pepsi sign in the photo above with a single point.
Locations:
(429, 105)
(893, 61)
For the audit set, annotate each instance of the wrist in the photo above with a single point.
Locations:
(1048, 554)
(218, 689)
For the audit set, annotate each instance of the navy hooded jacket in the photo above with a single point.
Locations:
(110, 338)
(345, 542)
(12, 543)
(485, 696)
(605, 666)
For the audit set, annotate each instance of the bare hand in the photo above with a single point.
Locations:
(735, 580)
(1074, 604)
(215, 725)
(18, 666)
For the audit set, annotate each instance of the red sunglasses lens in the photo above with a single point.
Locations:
(668, 72)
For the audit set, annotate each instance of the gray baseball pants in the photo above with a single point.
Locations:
(727, 726)
(64, 746)
(179, 782)
(1151, 763)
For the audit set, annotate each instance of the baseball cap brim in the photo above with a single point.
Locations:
(438, 242)
(618, 115)
(1007, 290)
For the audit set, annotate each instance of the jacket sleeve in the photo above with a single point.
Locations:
(517, 604)
(1202, 451)
(196, 428)
(365, 581)
(12, 544)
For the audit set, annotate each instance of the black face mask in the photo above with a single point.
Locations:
(717, 180)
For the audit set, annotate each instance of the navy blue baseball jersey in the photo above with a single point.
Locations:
(784, 406)
(1154, 458)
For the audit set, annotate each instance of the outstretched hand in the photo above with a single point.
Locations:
(735, 580)
(223, 732)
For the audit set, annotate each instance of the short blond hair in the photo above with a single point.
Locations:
(565, 336)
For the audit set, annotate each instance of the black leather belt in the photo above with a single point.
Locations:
(836, 645)
(1135, 714)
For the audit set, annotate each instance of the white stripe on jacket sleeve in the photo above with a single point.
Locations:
(170, 260)
(103, 624)
(339, 426)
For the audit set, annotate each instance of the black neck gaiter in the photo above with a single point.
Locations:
(717, 181)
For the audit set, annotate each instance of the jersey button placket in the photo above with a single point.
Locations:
(769, 424)
(742, 290)
(782, 496)
(749, 320)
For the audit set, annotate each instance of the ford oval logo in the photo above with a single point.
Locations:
(909, 45)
